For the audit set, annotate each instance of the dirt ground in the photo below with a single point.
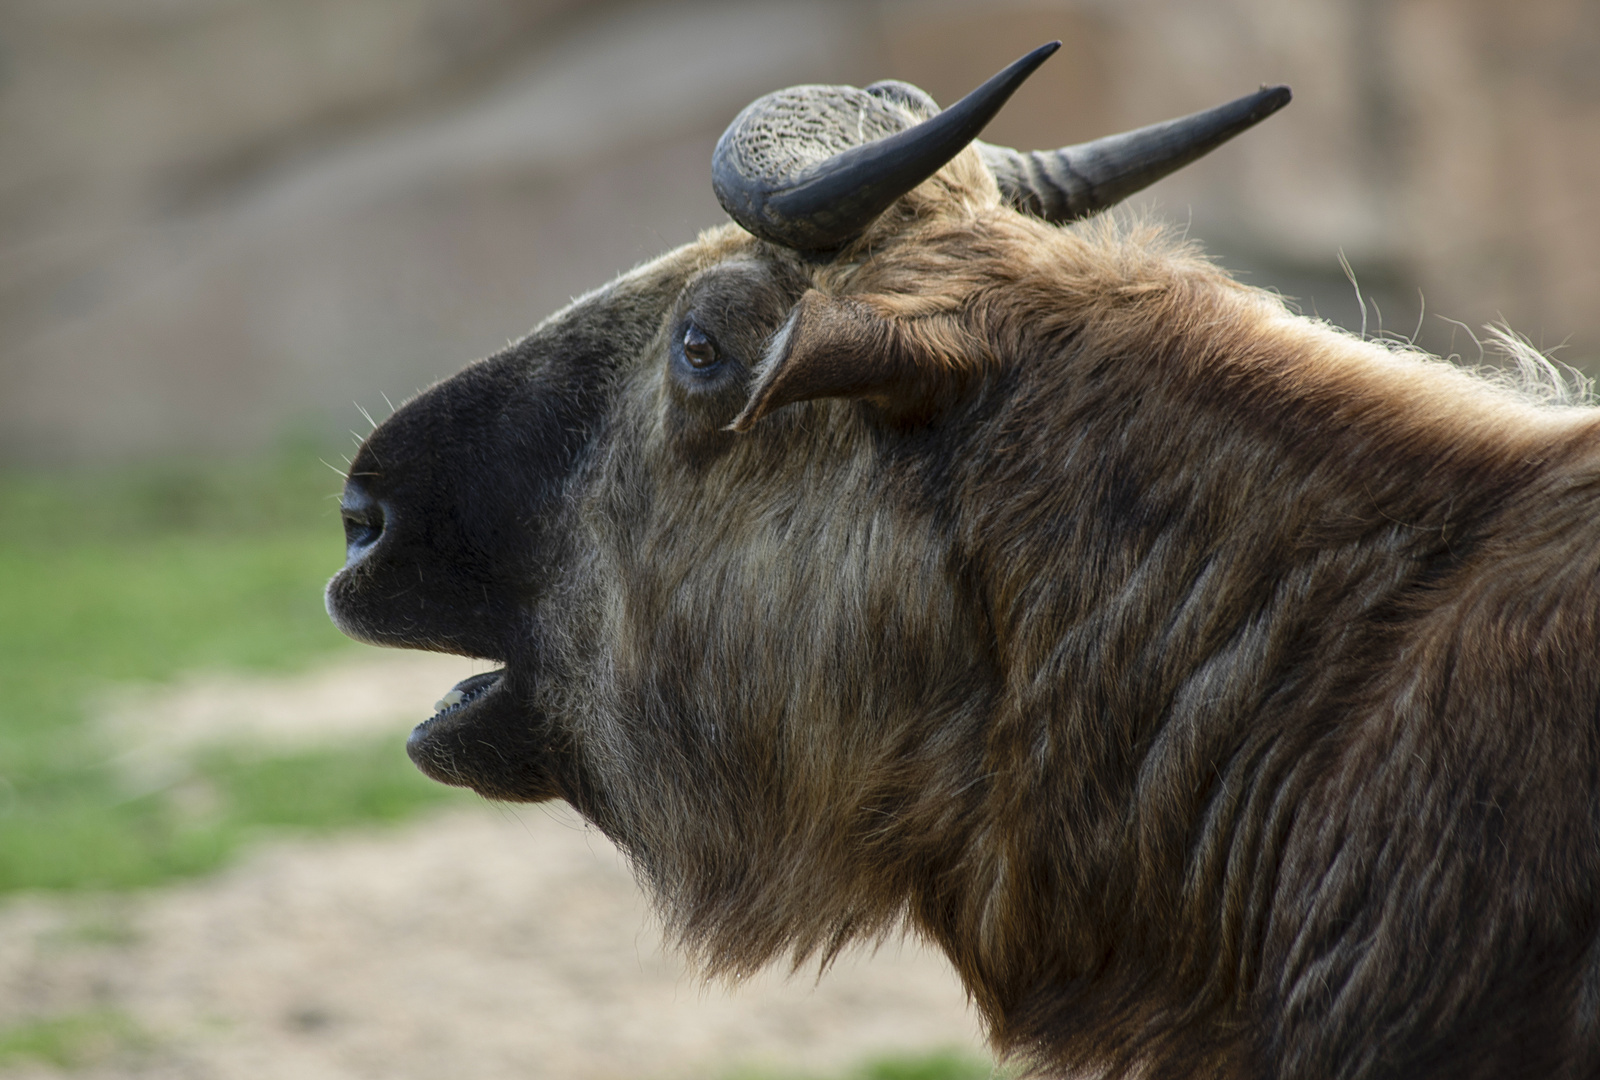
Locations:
(487, 942)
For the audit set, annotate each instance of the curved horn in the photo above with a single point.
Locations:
(1060, 185)
(821, 204)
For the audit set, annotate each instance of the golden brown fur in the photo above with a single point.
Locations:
(1216, 689)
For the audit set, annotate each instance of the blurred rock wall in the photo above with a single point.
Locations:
(223, 219)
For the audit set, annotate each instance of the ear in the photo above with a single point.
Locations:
(857, 347)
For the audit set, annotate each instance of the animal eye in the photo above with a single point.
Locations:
(697, 348)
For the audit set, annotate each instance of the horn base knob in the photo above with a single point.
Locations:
(811, 167)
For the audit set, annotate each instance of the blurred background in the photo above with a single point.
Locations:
(230, 229)
(223, 219)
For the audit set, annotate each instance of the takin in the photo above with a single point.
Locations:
(1218, 690)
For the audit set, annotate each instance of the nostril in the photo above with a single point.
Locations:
(364, 520)
(362, 529)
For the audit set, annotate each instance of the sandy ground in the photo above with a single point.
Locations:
(484, 943)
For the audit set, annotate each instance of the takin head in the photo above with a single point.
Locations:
(896, 556)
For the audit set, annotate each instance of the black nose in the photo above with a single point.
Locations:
(364, 519)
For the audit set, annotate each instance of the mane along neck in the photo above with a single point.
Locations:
(1204, 528)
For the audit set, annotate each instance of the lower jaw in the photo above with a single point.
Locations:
(485, 741)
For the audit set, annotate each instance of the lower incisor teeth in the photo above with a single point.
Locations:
(452, 698)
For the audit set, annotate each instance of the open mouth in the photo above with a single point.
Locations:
(462, 695)
(485, 738)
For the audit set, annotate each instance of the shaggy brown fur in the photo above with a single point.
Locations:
(1216, 689)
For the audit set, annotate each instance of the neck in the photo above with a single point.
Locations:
(1209, 549)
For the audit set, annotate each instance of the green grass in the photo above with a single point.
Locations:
(70, 1041)
(938, 1065)
(141, 575)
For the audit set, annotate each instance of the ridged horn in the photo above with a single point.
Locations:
(1062, 185)
(793, 167)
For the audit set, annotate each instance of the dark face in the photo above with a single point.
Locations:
(578, 509)
(465, 512)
